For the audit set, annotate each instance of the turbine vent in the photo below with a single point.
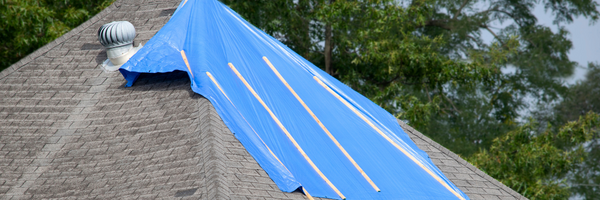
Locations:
(117, 37)
(116, 34)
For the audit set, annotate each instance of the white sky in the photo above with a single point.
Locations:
(585, 38)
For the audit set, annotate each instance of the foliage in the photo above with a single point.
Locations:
(585, 180)
(425, 60)
(379, 49)
(536, 164)
(581, 98)
(29, 24)
(538, 63)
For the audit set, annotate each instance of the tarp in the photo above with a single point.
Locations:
(306, 129)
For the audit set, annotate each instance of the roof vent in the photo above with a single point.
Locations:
(117, 37)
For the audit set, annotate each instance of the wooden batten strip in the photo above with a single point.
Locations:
(312, 164)
(362, 172)
(221, 89)
(307, 194)
(212, 78)
(186, 62)
(435, 176)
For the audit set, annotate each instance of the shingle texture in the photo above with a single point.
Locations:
(472, 181)
(70, 130)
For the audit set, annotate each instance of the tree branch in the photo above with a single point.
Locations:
(328, 46)
(502, 11)
(460, 9)
(439, 23)
(427, 90)
(450, 101)
(492, 32)
(495, 8)
(382, 83)
(531, 42)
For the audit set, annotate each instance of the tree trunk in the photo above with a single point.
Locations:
(328, 47)
(328, 68)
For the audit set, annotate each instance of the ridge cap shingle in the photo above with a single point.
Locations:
(414, 133)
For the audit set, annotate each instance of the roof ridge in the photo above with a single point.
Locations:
(214, 168)
(462, 161)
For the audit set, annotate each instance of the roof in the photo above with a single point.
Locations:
(70, 130)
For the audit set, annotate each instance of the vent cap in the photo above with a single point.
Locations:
(117, 37)
(116, 34)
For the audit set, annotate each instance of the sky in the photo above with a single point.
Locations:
(585, 38)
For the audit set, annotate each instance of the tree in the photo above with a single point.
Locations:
(539, 62)
(379, 49)
(581, 98)
(425, 60)
(29, 24)
(539, 164)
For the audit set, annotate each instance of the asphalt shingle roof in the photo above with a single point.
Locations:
(70, 130)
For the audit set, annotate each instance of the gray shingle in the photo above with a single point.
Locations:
(472, 181)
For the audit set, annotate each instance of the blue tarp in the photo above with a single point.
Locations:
(306, 129)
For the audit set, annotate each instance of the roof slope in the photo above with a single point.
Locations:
(70, 130)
